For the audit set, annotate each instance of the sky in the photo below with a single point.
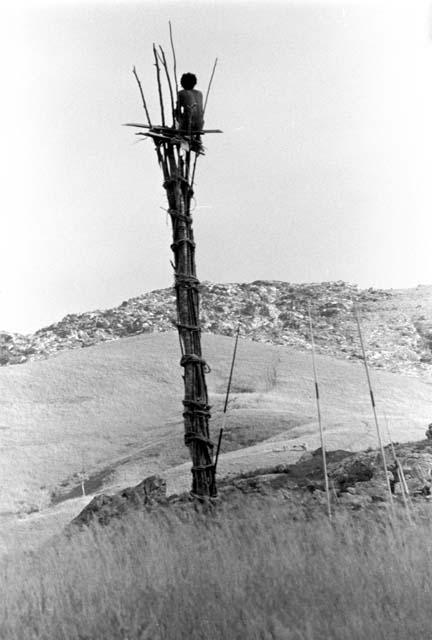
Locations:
(323, 170)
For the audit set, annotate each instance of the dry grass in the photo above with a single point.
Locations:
(251, 571)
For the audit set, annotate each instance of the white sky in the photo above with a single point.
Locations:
(323, 171)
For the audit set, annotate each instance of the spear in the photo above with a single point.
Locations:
(401, 475)
(372, 398)
(227, 397)
(317, 396)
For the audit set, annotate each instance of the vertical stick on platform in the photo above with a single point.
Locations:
(321, 431)
(174, 56)
(165, 66)
(142, 97)
(155, 53)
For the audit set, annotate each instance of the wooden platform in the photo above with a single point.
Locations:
(170, 131)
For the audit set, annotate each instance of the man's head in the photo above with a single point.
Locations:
(188, 81)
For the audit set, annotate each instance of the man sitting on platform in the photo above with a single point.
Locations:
(189, 109)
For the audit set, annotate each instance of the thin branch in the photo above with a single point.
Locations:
(174, 56)
(210, 83)
(164, 62)
(142, 96)
(159, 84)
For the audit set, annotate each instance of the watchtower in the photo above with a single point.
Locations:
(177, 152)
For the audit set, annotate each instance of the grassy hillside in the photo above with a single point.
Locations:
(264, 567)
(114, 410)
(253, 570)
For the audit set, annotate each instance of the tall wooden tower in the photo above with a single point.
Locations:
(177, 152)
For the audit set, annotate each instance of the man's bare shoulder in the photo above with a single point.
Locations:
(190, 94)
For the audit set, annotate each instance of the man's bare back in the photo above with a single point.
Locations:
(190, 105)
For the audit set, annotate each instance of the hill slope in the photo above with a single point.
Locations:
(114, 410)
(397, 324)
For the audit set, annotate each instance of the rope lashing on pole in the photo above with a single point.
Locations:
(172, 179)
(178, 216)
(196, 410)
(180, 241)
(191, 327)
(372, 399)
(318, 404)
(191, 358)
(184, 278)
(190, 437)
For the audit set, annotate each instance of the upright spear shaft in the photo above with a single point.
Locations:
(317, 397)
(372, 398)
(401, 475)
(227, 397)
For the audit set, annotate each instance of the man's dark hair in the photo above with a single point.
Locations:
(188, 80)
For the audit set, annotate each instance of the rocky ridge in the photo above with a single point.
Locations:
(357, 482)
(397, 324)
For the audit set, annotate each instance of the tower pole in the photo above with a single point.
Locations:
(174, 151)
(196, 411)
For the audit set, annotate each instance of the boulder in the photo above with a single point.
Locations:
(356, 468)
(417, 468)
(354, 501)
(103, 508)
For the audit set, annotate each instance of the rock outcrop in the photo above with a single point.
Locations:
(103, 508)
(357, 481)
(397, 324)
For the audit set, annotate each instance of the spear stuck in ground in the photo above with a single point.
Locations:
(372, 398)
(317, 396)
(401, 475)
(227, 398)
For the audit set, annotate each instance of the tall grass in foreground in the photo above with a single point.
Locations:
(250, 571)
